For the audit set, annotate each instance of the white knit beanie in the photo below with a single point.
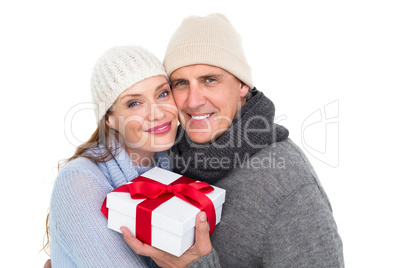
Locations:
(208, 40)
(117, 70)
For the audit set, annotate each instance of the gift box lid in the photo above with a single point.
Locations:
(175, 215)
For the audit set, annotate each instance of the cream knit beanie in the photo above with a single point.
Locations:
(117, 70)
(208, 40)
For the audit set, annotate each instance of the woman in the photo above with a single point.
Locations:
(137, 122)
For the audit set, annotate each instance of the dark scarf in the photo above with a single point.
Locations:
(251, 130)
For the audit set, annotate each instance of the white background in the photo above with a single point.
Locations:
(305, 55)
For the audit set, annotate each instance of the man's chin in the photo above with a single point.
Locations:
(199, 137)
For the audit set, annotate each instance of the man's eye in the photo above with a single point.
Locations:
(210, 80)
(180, 83)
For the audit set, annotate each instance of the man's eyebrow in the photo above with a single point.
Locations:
(203, 77)
(211, 75)
(177, 79)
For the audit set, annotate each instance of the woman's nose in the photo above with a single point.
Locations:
(156, 112)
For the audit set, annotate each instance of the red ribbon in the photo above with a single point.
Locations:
(157, 193)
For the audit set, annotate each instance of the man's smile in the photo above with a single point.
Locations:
(200, 117)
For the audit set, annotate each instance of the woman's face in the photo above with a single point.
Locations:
(146, 117)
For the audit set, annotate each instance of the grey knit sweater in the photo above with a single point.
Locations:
(276, 213)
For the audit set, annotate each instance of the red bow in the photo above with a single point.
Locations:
(157, 193)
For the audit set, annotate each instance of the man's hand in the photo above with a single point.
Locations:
(48, 264)
(201, 247)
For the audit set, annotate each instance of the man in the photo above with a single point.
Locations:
(276, 213)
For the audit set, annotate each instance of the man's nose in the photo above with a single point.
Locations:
(195, 97)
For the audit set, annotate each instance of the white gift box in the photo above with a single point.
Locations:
(173, 222)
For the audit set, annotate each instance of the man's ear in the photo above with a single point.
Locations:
(244, 89)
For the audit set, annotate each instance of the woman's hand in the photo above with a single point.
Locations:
(201, 247)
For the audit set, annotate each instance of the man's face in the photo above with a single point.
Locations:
(208, 99)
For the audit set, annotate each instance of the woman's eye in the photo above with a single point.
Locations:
(134, 103)
(164, 94)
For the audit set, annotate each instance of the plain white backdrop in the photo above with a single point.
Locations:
(333, 69)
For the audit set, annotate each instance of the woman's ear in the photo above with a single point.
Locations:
(109, 120)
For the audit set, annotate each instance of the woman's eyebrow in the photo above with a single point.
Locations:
(162, 85)
(130, 95)
(138, 95)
